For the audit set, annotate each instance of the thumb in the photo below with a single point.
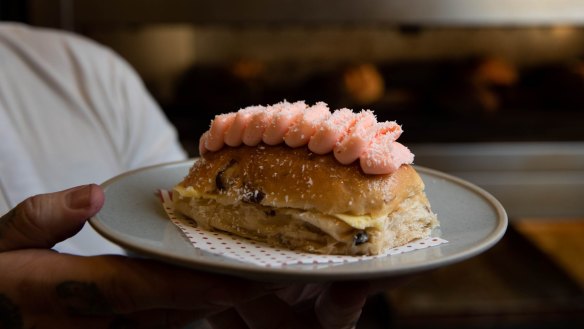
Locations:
(44, 220)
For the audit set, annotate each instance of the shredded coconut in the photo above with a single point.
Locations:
(350, 136)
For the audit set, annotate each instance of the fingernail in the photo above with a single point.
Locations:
(79, 197)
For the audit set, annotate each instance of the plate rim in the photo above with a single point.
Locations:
(291, 273)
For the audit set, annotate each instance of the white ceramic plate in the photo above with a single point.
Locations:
(471, 220)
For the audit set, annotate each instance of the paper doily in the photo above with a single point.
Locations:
(261, 254)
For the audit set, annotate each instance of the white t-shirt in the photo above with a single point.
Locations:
(72, 112)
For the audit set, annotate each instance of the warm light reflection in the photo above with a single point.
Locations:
(563, 31)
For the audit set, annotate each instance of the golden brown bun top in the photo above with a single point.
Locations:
(280, 176)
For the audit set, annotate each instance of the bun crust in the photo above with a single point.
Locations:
(282, 177)
(296, 199)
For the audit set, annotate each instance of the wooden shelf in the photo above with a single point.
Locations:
(306, 12)
(561, 239)
(513, 285)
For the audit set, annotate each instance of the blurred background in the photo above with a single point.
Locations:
(492, 92)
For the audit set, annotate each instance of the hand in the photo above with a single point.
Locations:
(336, 305)
(326, 306)
(41, 288)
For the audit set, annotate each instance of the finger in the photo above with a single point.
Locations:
(107, 285)
(45, 321)
(40, 281)
(293, 307)
(163, 318)
(296, 293)
(124, 285)
(43, 220)
(161, 286)
(268, 312)
(339, 307)
(167, 319)
(228, 319)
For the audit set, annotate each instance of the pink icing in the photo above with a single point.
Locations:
(301, 131)
(287, 115)
(350, 136)
(234, 135)
(384, 154)
(254, 132)
(354, 143)
(219, 127)
(331, 131)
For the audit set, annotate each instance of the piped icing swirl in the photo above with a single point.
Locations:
(347, 135)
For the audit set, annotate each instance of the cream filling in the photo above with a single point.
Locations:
(360, 222)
